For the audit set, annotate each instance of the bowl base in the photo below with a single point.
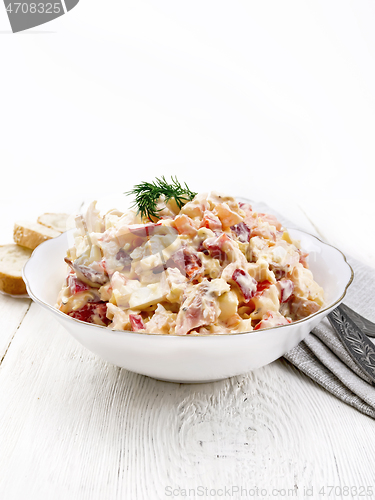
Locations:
(189, 381)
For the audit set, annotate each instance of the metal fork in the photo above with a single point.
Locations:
(353, 329)
(366, 326)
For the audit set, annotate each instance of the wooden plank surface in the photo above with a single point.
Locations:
(12, 313)
(73, 426)
(267, 101)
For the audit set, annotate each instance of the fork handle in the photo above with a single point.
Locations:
(366, 326)
(361, 350)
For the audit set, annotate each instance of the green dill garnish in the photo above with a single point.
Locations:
(147, 195)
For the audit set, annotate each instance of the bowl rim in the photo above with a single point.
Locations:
(174, 335)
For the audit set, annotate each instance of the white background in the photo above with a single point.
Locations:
(273, 100)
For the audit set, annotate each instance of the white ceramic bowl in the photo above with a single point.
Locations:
(187, 358)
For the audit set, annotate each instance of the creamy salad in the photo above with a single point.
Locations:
(213, 266)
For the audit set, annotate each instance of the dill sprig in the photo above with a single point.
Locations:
(147, 195)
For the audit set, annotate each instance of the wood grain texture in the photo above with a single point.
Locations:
(12, 312)
(73, 426)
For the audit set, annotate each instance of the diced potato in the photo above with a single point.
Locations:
(260, 271)
(255, 248)
(147, 263)
(211, 266)
(214, 199)
(111, 220)
(228, 303)
(196, 207)
(205, 232)
(185, 225)
(176, 292)
(286, 237)
(227, 216)
(243, 326)
(217, 287)
(147, 296)
(177, 284)
(172, 248)
(119, 318)
(305, 286)
(121, 292)
(267, 301)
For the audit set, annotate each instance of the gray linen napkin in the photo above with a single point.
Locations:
(323, 357)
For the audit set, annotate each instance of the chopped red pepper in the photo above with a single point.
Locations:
(193, 264)
(76, 285)
(188, 262)
(215, 246)
(262, 285)
(136, 322)
(211, 221)
(143, 230)
(89, 311)
(246, 283)
(286, 288)
(269, 321)
(242, 231)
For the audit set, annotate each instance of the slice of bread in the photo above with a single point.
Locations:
(32, 234)
(12, 259)
(58, 222)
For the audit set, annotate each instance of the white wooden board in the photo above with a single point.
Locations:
(75, 427)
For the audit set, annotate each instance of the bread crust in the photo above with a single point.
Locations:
(12, 284)
(56, 221)
(12, 259)
(31, 238)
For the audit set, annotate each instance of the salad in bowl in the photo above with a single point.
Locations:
(186, 287)
(193, 264)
